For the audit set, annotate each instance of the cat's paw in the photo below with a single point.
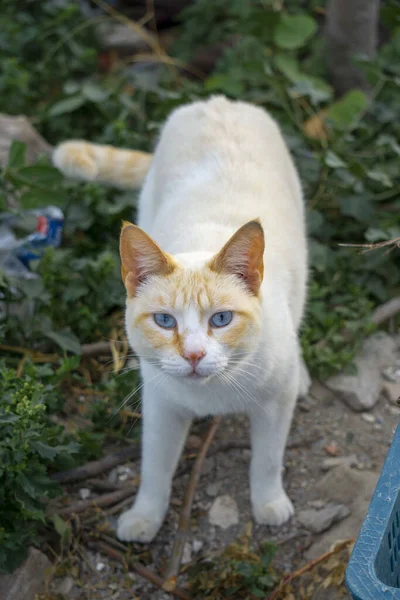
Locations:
(136, 527)
(304, 380)
(276, 512)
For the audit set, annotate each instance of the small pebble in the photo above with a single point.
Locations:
(368, 418)
(197, 546)
(84, 493)
(100, 566)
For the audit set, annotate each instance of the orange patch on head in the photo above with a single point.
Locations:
(141, 258)
(242, 256)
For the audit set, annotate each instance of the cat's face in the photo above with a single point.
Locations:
(193, 318)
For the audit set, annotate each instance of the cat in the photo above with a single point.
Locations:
(216, 277)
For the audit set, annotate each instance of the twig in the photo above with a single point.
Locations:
(308, 567)
(95, 467)
(111, 511)
(386, 311)
(390, 244)
(95, 349)
(141, 570)
(181, 535)
(99, 502)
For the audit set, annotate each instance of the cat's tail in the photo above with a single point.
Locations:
(82, 160)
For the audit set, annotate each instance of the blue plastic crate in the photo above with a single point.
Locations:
(373, 572)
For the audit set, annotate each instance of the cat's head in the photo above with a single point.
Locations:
(193, 316)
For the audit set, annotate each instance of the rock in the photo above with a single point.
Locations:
(19, 128)
(197, 546)
(187, 554)
(193, 442)
(28, 579)
(368, 418)
(84, 493)
(213, 488)
(208, 465)
(316, 504)
(65, 586)
(100, 566)
(318, 521)
(361, 391)
(346, 486)
(224, 512)
(336, 461)
(391, 391)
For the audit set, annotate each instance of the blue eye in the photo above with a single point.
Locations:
(221, 319)
(165, 320)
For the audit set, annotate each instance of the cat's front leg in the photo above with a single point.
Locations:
(164, 433)
(270, 424)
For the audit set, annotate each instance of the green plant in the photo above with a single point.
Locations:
(28, 445)
(239, 572)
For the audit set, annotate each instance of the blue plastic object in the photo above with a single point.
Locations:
(373, 572)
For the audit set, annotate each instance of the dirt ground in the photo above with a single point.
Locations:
(323, 428)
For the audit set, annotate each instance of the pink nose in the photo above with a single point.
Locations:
(194, 357)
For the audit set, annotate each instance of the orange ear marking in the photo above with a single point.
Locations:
(141, 257)
(242, 256)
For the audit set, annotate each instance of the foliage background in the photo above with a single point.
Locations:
(57, 408)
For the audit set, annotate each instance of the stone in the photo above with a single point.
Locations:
(19, 128)
(319, 521)
(391, 391)
(208, 465)
(187, 554)
(368, 418)
(100, 566)
(213, 488)
(84, 493)
(361, 391)
(28, 579)
(336, 461)
(350, 487)
(65, 586)
(224, 512)
(197, 546)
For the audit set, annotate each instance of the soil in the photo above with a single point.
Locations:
(323, 426)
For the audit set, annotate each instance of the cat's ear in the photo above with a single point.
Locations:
(242, 256)
(141, 258)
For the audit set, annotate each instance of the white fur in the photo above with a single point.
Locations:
(218, 165)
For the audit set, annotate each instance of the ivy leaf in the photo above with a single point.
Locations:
(293, 31)
(68, 105)
(41, 175)
(66, 339)
(332, 160)
(345, 111)
(16, 155)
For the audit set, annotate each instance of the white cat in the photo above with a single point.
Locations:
(215, 290)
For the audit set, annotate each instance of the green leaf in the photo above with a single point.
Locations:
(380, 176)
(345, 111)
(38, 198)
(41, 175)
(66, 339)
(45, 450)
(67, 106)
(7, 418)
(293, 31)
(332, 160)
(310, 85)
(16, 156)
(94, 92)
(62, 528)
(358, 207)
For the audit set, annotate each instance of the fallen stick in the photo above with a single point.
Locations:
(308, 567)
(183, 528)
(111, 511)
(99, 502)
(95, 349)
(386, 311)
(141, 570)
(95, 467)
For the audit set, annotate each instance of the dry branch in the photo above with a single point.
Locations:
(308, 567)
(99, 502)
(141, 570)
(95, 467)
(181, 535)
(386, 311)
